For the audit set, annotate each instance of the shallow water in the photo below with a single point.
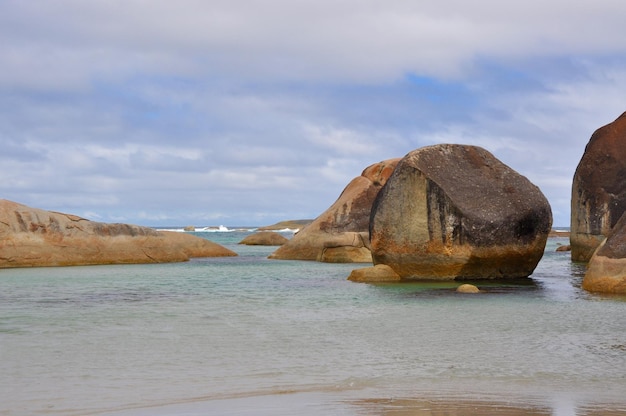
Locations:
(222, 335)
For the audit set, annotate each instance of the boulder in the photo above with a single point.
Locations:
(563, 248)
(375, 274)
(606, 271)
(598, 195)
(455, 212)
(31, 237)
(264, 238)
(341, 233)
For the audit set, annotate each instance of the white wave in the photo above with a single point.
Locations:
(219, 229)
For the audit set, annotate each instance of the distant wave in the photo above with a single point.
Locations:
(222, 229)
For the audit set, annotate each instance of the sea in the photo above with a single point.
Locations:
(247, 335)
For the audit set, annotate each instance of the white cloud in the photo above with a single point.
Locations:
(156, 109)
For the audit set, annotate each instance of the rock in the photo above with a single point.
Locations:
(565, 247)
(455, 211)
(340, 234)
(375, 274)
(189, 228)
(286, 225)
(599, 195)
(606, 271)
(32, 237)
(264, 238)
(467, 288)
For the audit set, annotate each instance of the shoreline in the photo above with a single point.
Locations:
(353, 403)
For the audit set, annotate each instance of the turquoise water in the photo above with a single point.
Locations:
(186, 338)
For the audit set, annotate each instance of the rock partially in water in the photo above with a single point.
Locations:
(341, 233)
(31, 237)
(467, 288)
(606, 271)
(457, 212)
(599, 189)
(376, 274)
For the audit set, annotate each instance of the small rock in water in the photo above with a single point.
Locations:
(467, 288)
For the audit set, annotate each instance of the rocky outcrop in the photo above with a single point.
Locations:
(264, 238)
(606, 271)
(31, 237)
(341, 233)
(455, 212)
(599, 189)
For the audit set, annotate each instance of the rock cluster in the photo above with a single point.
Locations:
(599, 189)
(456, 212)
(598, 226)
(31, 237)
(340, 234)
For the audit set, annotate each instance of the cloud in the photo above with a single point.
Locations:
(239, 111)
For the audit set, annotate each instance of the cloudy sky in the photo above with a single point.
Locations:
(236, 112)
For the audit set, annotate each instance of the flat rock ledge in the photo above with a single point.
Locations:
(31, 237)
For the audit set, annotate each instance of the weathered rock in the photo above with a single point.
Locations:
(264, 238)
(454, 211)
(467, 288)
(375, 274)
(565, 247)
(32, 237)
(599, 189)
(606, 271)
(341, 233)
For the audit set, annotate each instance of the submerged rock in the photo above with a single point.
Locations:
(340, 234)
(599, 189)
(31, 237)
(606, 271)
(264, 238)
(454, 212)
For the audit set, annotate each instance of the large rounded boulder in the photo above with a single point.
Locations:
(31, 237)
(606, 271)
(599, 189)
(455, 212)
(341, 233)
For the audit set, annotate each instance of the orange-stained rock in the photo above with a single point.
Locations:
(456, 212)
(375, 274)
(598, 189)
(31, 237)
(264, 238)
(606, 271)
(340, 234)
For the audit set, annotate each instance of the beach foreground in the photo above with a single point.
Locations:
(324, 403)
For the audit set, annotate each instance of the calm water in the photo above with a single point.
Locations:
(235, 335)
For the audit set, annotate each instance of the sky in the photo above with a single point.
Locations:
(233, 112)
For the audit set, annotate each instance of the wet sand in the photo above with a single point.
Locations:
(325, 403)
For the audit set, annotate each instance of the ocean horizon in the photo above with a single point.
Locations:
(247, 335)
